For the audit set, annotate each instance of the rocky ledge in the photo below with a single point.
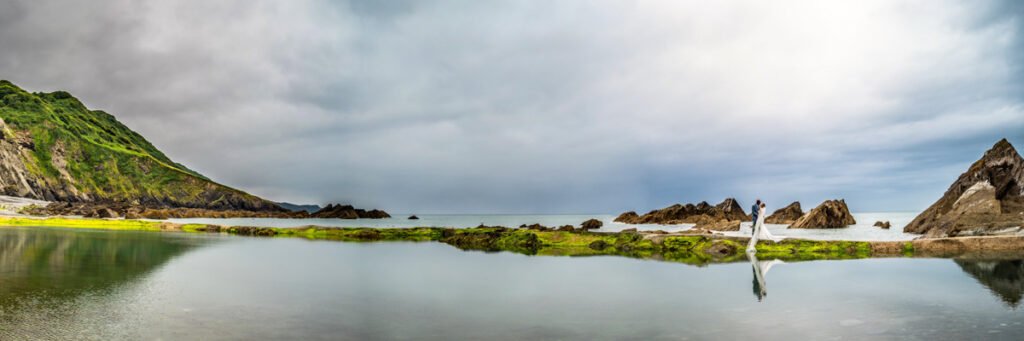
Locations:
(727, 210)
(830, 214)
(129, 211)
(987, 199)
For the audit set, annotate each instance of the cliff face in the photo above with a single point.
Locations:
(53, 148)
(986, 199)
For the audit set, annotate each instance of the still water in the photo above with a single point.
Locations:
(863, 230)
(74, 284)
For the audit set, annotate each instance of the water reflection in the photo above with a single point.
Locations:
(1005, 278)
(760, 269)
(59, 264)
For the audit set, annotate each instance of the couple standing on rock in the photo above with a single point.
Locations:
(758, 230)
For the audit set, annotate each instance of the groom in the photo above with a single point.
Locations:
(753, 212)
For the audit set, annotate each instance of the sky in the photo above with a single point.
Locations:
(575, 106)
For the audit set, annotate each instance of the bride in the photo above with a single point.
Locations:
(760, 231)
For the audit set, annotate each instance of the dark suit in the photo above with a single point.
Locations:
(753, 212)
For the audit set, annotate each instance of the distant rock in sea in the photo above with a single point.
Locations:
(348, 212)
(591, 224)
(830, 214)
(727, 210)
(414, 217)
(786, 215)
(988, 199)
(299, 207)
(883, 224)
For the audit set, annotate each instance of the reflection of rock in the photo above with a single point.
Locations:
(883, 224)
(727, 210)
(988, 199)
(1005, 278)
(830, 214)
(785, 215)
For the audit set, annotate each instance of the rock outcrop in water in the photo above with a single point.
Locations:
(988, 199)
(830, 214)
(883, 224)
(591, 224)
(786, 215)
(348, 212)
(727, 210)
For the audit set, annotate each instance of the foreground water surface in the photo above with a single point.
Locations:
(79, 284)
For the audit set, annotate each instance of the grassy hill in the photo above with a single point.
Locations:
(54, 148)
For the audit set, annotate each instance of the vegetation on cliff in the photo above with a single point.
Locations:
(54, 148)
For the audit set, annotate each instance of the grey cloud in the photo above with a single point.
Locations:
(530, 106)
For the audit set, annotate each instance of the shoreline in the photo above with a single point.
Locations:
(693, 249)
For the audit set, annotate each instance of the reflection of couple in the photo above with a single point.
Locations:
(760, 270)
(759, 231)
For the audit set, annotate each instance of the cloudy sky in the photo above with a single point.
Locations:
(544, 106)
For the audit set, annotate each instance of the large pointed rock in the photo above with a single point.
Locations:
(988, 199)
(786, 215)
(728, 210)
(829, 215)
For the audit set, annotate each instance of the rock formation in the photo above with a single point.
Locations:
(414, 217)
(591, 224)
(883, 224)
(830, 214)
(727, 210)
(988, 199)
(54, 148)
(348, 212)
(718, 225)
(786, 215)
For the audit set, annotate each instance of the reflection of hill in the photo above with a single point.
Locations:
(59, 262)
(1005, 278)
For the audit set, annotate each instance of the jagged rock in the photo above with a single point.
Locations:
(830, 214)
(785, 215)
(414, 217)
(883, 224)
(728, 209)
(348, 212)
(591, 224)
(629, 218)
(987, 199)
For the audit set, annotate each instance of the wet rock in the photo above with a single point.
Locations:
(591, 224)
(830, 214)
(720, 248)
(729, 209)
(785, 215)
(599, 245)
(414, 217)
(883, 224)
(987, 199)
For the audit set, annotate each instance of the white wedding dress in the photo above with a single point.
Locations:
(760, 232)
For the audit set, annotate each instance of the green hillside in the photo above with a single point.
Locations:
(54, 148)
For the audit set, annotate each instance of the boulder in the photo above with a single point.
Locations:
(785, 215)
(106, 212)
(987, 199)
(591, 224)
(830, 214)
(629, 218)
(883, 224)
(728, 209)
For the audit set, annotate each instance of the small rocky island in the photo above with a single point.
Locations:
(829, 215)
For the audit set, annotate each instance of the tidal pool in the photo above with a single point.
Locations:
(98, 285)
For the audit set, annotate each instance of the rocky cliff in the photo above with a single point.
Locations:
(54, 148)
(727, 210)
(987, 199)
